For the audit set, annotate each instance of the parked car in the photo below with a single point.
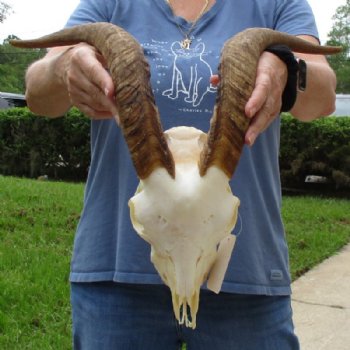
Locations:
(9, 100)
(342, 105)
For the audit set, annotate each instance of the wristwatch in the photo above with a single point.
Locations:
(296, 75)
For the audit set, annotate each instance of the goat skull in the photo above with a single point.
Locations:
(185, 229)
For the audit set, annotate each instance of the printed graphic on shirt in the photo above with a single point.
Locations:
(182, 74)
(190, 75)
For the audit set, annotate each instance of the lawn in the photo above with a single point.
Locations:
(37, 224)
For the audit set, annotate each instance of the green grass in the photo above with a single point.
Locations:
(316, 228)
(37, 224)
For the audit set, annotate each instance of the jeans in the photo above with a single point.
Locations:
(118, 316)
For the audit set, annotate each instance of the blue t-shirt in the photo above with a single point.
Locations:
(106, 246)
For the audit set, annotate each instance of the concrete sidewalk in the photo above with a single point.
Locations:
(321, 304)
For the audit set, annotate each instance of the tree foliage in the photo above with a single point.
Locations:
(4, 10)
(14, 61)
(13, 64)
(340, 35)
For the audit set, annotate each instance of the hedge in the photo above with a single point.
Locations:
(320, 148)
(32, 146)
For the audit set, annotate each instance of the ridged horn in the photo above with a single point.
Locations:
(138, 114)
(237, 71)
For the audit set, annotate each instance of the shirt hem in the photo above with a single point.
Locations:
(136, 278)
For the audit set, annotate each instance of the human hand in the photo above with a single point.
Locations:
(89, 85)
(266, 99)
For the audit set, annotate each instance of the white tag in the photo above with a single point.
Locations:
(218, 270)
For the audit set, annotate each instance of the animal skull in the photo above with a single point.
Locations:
(183, 207)
(184, 219)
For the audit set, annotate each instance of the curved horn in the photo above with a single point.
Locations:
(237, 70)
(139, 116)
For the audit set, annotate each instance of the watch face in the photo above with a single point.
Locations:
(302, 75)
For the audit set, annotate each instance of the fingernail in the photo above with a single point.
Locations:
(251, 112)
(251, 139)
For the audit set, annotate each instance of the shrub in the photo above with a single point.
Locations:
(321, 148)
(31, 146)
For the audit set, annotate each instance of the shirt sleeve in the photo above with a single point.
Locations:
(90, 11)
(295, 17)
